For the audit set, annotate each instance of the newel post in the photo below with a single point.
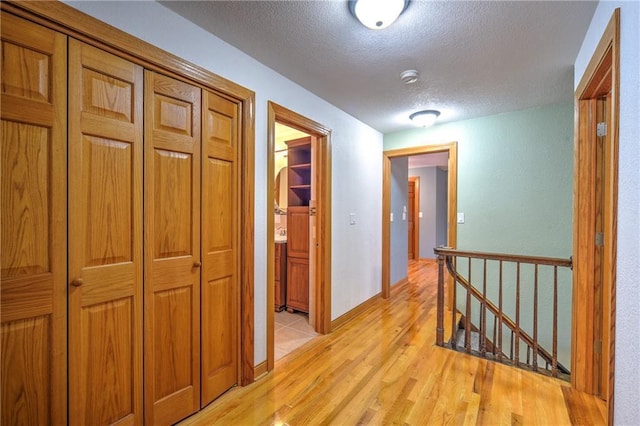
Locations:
(440, 302)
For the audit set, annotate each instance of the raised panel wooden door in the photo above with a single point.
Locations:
(105, 237)
(298, 284)
(172, 249)
(298, 231)
(411, 197)
(220, 292)
(33, 221)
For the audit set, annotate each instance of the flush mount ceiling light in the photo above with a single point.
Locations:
(377, 14)
(424, 118)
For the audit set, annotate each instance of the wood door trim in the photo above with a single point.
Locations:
(71, 22)
(452, 201)
(416, 213)
(292, 119)
(601, 76)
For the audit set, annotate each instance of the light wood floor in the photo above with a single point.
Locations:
(383, 368)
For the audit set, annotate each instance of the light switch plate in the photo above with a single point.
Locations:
(391, 217)
(460, 217)
(352, 218)
(420, 215)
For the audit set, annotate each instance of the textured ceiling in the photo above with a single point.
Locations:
(475, 58)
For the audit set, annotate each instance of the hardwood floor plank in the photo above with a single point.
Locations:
(383, 367)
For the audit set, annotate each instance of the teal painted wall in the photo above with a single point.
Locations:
(515, 178)
(515, 186)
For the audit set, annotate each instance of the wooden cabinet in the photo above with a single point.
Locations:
(298, 284)
(299, 171)
(299, 180)
(85, 245)
(280, 281)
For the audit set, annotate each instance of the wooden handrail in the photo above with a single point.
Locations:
(552, 261)
(446, 255)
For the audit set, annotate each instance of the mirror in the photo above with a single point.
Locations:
(280, 191)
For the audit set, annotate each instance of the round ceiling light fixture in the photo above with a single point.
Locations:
(377, 14)
(409, 76)
(424, 118)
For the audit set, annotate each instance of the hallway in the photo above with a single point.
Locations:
(383, 367)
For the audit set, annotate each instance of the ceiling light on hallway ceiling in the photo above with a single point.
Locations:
(409, 76)
(424, 118)
(377, 14)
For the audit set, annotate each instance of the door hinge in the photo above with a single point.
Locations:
(597, 346)
(599, 239)
(601, 129)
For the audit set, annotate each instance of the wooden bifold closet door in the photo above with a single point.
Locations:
(120, 299)
(33, 221)
(172, 249)
(220, 292)
(105, 237)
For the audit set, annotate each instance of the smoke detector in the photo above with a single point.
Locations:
(409, 76)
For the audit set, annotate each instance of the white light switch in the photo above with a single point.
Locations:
(391, 216)
(420, 215)
(404, 215)
(460, 217)
(352, 218)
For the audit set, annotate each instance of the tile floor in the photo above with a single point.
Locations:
(291, 332)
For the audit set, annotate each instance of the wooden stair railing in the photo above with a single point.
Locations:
(448, 257)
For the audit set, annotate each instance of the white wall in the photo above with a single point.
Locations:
(356, 151)
(627, 374)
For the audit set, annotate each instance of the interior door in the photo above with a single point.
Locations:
(220, 297)
(411, 224)
(33, 302)
(105, 237)
(172, 249)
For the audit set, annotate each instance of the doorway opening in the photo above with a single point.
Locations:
(427, 204)
(450, 150)
(305, 186)
(595, 219)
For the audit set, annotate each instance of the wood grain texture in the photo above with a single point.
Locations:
(413, 210)
(298, 284)
(599, 81)
(383, 368)
(33, 222)
(220, 296)
(172, 248)
(105, 237)
(280, 276)
(298, 268)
